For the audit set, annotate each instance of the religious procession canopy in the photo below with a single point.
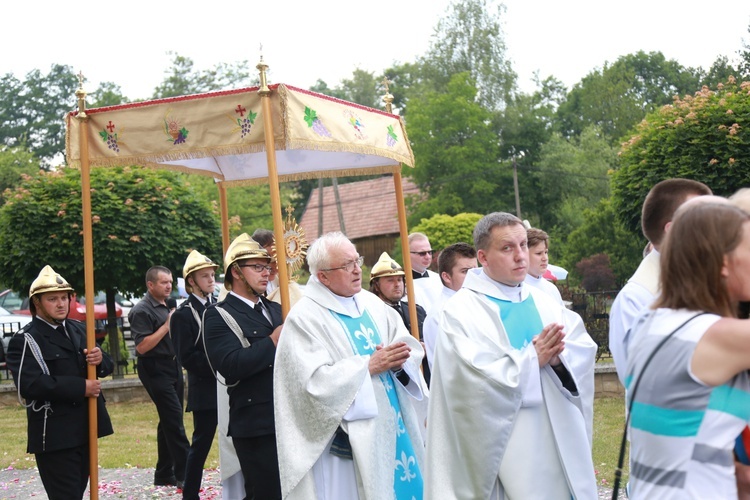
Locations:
(221, 134)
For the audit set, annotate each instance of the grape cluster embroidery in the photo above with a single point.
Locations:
(311, 117)
(109, 136)
(244, 123)
(391, 138)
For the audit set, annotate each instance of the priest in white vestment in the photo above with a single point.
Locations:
(511, 404)
(346, 382)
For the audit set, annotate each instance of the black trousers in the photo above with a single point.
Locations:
(162, 379)
(260, 466)
(64, 473)
(204, 430)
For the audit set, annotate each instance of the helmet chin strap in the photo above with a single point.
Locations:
(242, 277)
(46, 317)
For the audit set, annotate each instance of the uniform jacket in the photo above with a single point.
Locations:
(251, 368)
(184, 330)
(64, 387)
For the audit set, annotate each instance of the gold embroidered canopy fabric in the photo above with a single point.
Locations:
(221, 135)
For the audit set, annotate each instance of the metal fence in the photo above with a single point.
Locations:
(6, 332)
(594, 309)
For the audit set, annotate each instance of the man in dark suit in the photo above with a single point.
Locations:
(53, 381)
(241, 336)
(185, 328)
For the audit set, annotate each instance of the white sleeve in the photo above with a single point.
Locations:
(532, 388)
(628, 304)
(365, 405)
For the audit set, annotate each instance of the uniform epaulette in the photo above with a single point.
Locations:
(24, 329)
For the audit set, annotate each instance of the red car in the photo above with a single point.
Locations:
(13, 302)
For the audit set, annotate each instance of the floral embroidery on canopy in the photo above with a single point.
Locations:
(356, 123)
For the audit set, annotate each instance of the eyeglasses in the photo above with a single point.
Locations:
(259, 268)
(349, 266)
(425, 253)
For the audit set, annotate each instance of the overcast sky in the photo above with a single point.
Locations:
(127, 42)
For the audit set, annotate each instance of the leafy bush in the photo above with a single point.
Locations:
(705, 137)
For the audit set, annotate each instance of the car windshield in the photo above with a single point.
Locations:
(99, 298)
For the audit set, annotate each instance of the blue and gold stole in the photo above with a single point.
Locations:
(363, 336)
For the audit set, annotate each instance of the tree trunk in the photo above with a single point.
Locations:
(113, 334)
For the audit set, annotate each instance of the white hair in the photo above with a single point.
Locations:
(319, 253)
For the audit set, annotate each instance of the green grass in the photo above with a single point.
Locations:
(609, 419)
(134, 442)
(132, 445)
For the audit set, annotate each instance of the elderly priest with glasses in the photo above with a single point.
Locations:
(346, 387)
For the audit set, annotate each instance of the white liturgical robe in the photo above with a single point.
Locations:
(320, 384)
(498, 423)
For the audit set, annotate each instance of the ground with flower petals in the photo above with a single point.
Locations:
(129, 484)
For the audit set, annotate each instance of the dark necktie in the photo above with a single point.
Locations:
(61, 330)
(259, 307)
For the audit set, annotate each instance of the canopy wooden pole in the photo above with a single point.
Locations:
(88, 271)
(399, 188)
(273, 184)
(412, 303)
(224, 219)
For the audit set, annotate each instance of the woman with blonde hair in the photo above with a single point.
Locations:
(688, 356)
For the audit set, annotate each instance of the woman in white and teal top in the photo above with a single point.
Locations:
(693, 399)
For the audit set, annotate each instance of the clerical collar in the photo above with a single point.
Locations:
(534, 278)
(416, 274)
(350, 304)
(513, 292)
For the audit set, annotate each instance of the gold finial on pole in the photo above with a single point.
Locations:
(81, 95)
(388, 97)
(262, 67)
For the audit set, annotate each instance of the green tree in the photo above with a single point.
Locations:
(705, 137)
(443, 230)
(602, 233)
(457, 154)
(570, 176)
(719, 72)
(363, 88)
(183, 79)
(31, 111)
(407, 80)
(470, 38)
(249, 207)
(528, 120)
(108, 94)
(15, 163)
(744, 53)
(619, 95)
(141, 217)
